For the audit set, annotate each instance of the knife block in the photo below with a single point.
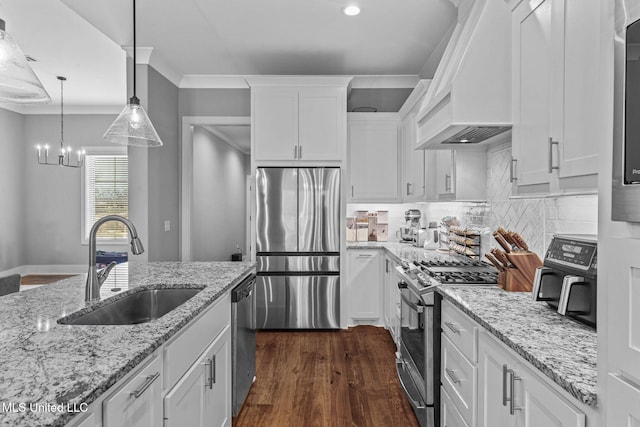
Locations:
(512, 280)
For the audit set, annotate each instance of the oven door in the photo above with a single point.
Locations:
(415, 362)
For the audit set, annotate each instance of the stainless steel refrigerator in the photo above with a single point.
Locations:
(298, 248)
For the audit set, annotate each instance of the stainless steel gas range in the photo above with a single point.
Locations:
(418, 358)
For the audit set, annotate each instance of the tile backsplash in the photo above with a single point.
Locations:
(536, 219)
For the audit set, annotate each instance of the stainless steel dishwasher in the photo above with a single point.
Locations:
(243, 340)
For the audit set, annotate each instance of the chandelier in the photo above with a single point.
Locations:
(65, 154)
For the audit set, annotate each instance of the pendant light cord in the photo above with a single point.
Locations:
(61, 112)
(134, 48)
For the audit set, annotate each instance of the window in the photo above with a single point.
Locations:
(105, 192)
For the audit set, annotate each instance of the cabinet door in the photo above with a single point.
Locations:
(542, 407)
(364, 269)
(535, 79)
(275, 123)
(448, 412)
(373, 160)
(138, 403)
(623, 305)
(444, 174)
(413, 165)
(322, 117)
(622, 407)
(203, 395)
(578, 147)
(491, 411)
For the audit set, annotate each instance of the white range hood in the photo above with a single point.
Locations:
(469, 100)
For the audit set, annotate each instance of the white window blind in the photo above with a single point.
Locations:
(106, 193)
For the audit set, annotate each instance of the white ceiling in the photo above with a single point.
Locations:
(221, 38)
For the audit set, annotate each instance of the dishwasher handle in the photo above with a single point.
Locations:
(244, 289)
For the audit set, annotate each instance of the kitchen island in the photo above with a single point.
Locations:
(51, 372)
(562, 349)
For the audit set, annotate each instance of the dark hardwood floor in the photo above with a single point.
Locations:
(326, 378)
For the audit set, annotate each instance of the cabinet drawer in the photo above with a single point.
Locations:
(461, 330)
(138, 402)
(180, 353)
(459, 380)
(448, 412)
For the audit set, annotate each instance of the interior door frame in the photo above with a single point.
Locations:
(186, 171)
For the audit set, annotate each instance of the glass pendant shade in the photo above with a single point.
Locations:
(18, 83)
(133, 127)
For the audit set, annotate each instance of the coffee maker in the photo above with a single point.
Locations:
(409, 232)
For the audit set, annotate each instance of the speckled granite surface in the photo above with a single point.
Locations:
(563, 350)
(47, 363)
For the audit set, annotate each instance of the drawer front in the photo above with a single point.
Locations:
(184, 349)
(450, 417)
(459, 378)
(461, 330)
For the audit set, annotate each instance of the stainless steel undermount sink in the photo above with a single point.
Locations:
(138, 307)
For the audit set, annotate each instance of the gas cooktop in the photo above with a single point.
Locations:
(460, 272)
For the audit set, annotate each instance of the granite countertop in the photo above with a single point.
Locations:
(560, 348)
(46, 363)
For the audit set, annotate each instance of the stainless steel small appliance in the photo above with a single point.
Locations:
(567, 281)
(409, 232)
(626, 132)
(243, 341)
(418, 358)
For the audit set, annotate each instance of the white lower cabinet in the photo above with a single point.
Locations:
(391, 299)
(622, 407)
(512, 394)
(138, 402)
(203, 395)
(364, 285)
(448, 413)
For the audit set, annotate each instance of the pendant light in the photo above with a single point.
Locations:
(132, 126)
(64, 155)
(18, 83)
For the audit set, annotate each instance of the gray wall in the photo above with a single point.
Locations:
(218, 209)
(52, 207)
(12, 189)
(163, 169)
(215, 102)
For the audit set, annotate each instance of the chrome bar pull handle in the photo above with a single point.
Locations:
(408, 191)
(512, 400)
(452, 327)
(213, 371)
(147, 383)
(451, 374)
(512, 173)
(551, 144)
(295, 151)
(505, 370)
(352, 191)
(299, 152)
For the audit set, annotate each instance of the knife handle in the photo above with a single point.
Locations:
(500, 256)
(520, 241)
(502, 242)
(495, 262)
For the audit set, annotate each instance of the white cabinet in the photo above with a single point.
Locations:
(373, 157)
(138, 402)
(413, 183)
(456, 175)
(203, 395)
(512, 394)
(554, 118)
(298, 119)
(622, 404)
(413, 163)
(364, 284)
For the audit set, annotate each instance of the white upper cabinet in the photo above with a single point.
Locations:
(554, 134)
(373, 157)
(298, 119)
(456, 175)
(413, 184)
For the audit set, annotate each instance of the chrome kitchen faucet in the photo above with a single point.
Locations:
(96, 278)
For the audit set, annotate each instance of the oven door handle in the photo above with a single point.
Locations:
(418, 308)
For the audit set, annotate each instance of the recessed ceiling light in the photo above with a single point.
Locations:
(351, 10)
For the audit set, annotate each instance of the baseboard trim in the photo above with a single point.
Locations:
(46, 269)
